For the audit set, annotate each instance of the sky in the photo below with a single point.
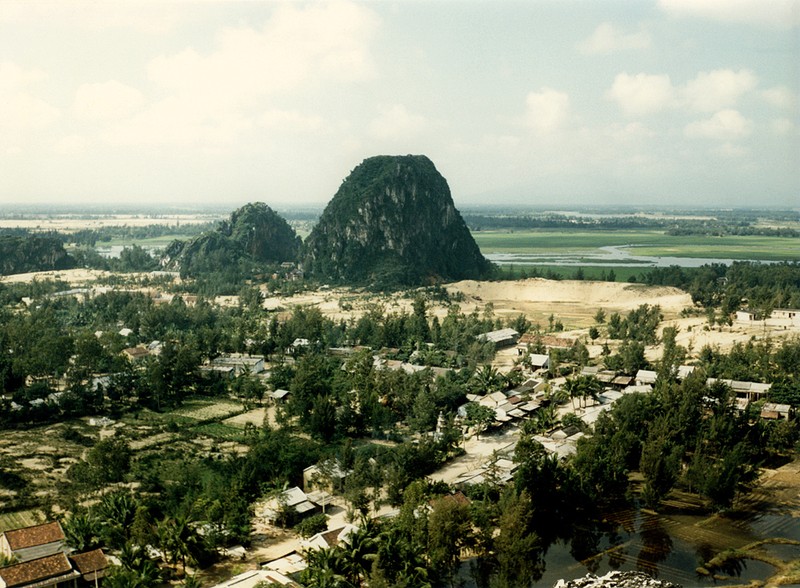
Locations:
(529, 102)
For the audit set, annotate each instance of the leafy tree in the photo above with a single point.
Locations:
(479, 417)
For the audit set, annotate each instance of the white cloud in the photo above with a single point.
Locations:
(546, 110)
(608, 39)
(70, 145)
(782, 126)
(642, 94)
(725, 124)
(729, 149)
(633, 131)
(769, 13)
(780, 97)
(106, 101)
(396, 122)
(290, 120)
(217, 94)
(143, 16)
(20, 108)
(718, 89)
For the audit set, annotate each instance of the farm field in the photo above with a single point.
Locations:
(642, 242)
(40, 456)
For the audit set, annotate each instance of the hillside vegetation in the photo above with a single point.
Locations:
(391, 222)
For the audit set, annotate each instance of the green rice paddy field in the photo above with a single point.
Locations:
(651, 243)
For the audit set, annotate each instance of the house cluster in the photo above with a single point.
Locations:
(511, 405)
(779, 317)
(42, 560)
(302, 504)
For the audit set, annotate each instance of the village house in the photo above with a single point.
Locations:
(775, 411)
(58, 570)
(238, 363)
(33, 542)
(51, 570)
(500, 338)
(253, 578)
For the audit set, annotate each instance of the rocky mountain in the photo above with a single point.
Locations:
(393, 222)
(254, 234)
(32, 253)
(263, 234)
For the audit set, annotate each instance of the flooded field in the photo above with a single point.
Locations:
(609, 256)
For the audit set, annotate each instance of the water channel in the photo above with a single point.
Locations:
(615, 255)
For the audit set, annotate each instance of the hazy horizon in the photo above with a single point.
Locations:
(684, 103)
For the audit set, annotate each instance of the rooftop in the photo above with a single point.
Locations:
(36, 535)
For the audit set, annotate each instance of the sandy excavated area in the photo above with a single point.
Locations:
(75, 277)
(573, 302)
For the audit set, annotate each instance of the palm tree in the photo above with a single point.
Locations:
(573, 388)
(325, 569)
(488, 378)
(117, 512)
(81, 532)
(180, 539)
(359, 550)
(590, 387)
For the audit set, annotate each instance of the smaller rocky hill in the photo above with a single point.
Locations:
(393, 222)
(30, 253)
(254, 234)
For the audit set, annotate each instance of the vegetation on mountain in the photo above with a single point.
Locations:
(393, 222)
(254, 237)
(20, 253)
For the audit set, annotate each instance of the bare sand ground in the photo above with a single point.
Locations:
(573, 302)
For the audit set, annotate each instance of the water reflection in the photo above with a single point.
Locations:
(671, 549)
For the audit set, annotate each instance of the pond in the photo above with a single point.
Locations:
(603, 256)
(666, 547)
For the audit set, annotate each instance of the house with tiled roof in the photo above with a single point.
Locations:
(92, 565)
(52, 570)
(32, 542)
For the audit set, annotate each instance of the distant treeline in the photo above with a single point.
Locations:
(724, 225)
(91, 237)
(480, 222)
(743, 283)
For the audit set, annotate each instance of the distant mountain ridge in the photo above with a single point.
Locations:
(393, 222)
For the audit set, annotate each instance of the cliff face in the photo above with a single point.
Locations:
(393, 221)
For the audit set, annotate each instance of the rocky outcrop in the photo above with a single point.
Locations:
(616, 580)
(393, 222)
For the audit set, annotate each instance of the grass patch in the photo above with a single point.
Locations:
(219, 431)
(207, 410)
(22, 518)
(644, 242)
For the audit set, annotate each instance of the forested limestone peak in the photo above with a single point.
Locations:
(263, 233)
(254, 233)
(393, 222)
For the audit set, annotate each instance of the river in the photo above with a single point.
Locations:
(604, 256)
